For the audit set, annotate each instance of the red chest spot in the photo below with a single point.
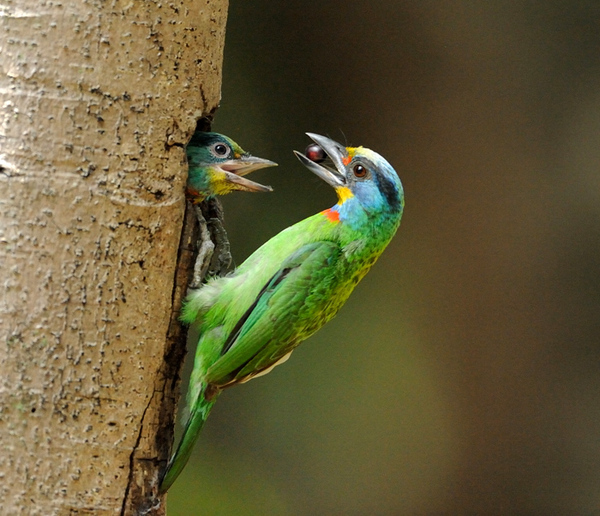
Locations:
(332, 215)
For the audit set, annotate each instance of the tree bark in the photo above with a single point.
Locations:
(98, 100)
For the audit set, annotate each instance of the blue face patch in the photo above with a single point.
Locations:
(390, 191)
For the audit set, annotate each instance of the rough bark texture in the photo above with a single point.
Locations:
(97, 102)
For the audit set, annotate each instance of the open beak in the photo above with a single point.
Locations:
(246, 164)
(241, 183)
(235, 169)
(336, 152)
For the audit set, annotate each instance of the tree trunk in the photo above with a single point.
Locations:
(98, 100)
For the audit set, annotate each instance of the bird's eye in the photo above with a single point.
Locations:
(359, 171)
(315, 153)
(220, 150)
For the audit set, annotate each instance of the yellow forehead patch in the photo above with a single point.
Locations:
(344, 193)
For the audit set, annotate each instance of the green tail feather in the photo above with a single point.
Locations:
(194, 424)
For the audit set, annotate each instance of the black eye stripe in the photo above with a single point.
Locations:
(386, 186)
(389, 190)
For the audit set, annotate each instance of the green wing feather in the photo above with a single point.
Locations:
(284, 314)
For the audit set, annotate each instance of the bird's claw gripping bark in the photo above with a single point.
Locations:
(221, 259)
(204, 248)
(214, 256)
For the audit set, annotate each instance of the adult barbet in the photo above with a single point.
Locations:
(252, 320)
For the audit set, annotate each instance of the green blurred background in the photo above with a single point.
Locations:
(463, 375)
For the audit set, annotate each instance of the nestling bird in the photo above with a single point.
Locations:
(251, 320)
(217, 165)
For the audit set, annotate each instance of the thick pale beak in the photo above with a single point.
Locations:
(336, 152)
(236, 168)
(241, 183)
(246, 164)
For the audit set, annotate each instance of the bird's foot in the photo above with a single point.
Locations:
(214, 255)
(205, 248)
(221, 258)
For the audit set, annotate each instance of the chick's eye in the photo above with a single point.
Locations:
(221, 149)
(359, 171)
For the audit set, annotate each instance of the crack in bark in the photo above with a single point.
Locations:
(132, 456)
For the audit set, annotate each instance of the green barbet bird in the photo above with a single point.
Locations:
(251, 320)
(217, 165)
